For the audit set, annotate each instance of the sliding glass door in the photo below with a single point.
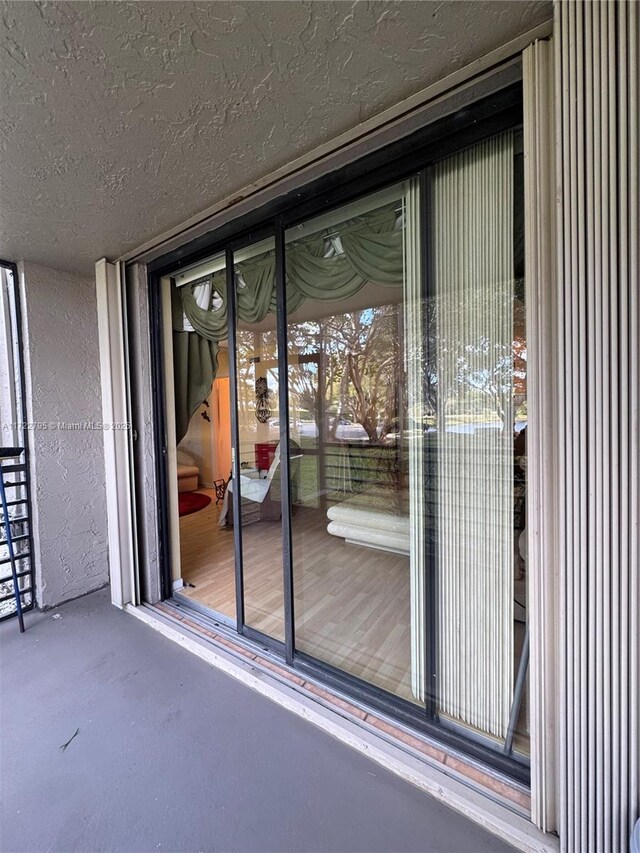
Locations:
(407, 398)
(202, 409)
(377, 503)
(258, 511)
(352, 278)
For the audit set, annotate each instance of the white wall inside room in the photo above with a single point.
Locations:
(198, 443)
(67, 465)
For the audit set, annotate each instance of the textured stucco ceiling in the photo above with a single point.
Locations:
(119, 120)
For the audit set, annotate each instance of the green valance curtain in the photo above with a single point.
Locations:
(327, 266)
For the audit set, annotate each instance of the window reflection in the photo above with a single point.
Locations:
(348, 411)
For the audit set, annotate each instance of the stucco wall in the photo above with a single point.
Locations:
(67, 465)
(154, 111)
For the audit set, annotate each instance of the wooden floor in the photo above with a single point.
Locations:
(207, 558)
(352, 604)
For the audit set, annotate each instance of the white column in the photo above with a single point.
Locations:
(117, 438)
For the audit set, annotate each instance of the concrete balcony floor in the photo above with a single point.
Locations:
(173, 755)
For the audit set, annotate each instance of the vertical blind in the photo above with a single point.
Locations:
(472, 204)
(597, 101)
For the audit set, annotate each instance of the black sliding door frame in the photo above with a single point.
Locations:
(236, 496)
(283, 393)
(430, 530)
(411, 157)
(160, 434)
(255, 236)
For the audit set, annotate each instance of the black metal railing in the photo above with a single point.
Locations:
(16, 582)
(16, 560)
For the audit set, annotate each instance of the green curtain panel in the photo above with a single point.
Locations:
(195, 363)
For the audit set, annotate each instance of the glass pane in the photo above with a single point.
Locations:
(203, 433)
(351, 276)
(259, 430)
(476, 375)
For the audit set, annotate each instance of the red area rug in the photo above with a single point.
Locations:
(190, 502)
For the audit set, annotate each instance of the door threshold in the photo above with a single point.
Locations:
(499, 805)
(180, 599)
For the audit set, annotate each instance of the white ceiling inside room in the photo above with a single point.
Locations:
(119, 120)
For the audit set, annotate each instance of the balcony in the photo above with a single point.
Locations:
(115, 738)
